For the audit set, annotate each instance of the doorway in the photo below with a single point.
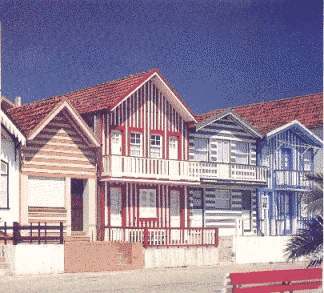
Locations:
(77, 189)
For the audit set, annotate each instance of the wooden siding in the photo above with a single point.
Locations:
(146, 111)
(59, 150)
(130, 204)
(224, 129)
(48, 215)
(225, 218)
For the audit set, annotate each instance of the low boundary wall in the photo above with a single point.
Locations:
(35, 259)
(181, 256)
(100, 256)
(260, 249)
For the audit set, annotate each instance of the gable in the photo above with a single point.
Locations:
(226, 128)
(148, 107)
(59, 149)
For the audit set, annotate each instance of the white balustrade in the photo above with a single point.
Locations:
(152, 168)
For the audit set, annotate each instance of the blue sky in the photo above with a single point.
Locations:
(217, 53)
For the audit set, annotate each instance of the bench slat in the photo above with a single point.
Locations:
(279, 288)
(276, 276)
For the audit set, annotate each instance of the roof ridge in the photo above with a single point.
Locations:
(152, 70)
(257, 103)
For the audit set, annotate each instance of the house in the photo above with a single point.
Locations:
(288, 147)
(225, 145)
(58, 166)
(11, 140)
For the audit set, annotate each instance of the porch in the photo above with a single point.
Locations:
(164, 237)
(116, 166)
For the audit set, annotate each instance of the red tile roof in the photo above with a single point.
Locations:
(267, 116)
(102, 96)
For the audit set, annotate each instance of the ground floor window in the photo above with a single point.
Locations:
(220, 199)
(147, 203)
(46, 192)
(4, 188)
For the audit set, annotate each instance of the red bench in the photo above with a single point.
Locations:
(276, 281)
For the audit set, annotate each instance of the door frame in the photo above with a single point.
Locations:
(181, 205)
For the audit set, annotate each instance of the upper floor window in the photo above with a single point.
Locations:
(307, 160)
(4, 185)
(242, 153)
(156, 146)
(223, 151)
(135, 144)
(286, 159)
(201, 149)
(173, 148)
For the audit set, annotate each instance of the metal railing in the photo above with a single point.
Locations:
(32, 233)
(156, 237)
(152, 168)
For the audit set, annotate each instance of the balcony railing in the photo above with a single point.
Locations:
(292, 179)
(175, 170)
(167, 237)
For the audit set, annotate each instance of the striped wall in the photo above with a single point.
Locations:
(147, 110)
(130, 204)
(59, 150)
(224, 129)
(209, 216)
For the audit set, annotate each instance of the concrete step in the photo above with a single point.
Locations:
(77, 238)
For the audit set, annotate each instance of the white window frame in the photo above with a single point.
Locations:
(156, 146)
(221, 151)
(4, 192)
(307, 161)
(147, 203)
(201, 151)
(136, 144)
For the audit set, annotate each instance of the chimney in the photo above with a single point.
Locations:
(18, 101)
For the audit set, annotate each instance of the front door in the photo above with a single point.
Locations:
(77, 205)
(247, 211)
(115, 207)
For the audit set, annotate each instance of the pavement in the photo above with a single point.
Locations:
(166, 280)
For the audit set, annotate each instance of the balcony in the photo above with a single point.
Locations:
(292, 179)
(174, 170)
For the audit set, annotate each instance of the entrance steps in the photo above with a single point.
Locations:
(77, 237)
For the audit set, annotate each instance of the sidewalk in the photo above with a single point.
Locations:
(178, 280)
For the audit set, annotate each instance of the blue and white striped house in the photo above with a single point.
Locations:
(286, 136)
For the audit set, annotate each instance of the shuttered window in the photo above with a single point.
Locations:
(220, 199)
(147, 203)
(46, 192)
(201, 149)
(4, 188)
(242, 153)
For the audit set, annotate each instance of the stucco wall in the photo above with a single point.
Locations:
(35, 259)
(181, 256)
(256, 249)
(82, 256)
(8, 155)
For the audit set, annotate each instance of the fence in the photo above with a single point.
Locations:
(152, 237)
(26, 233)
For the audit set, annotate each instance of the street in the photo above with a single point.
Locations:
(179, 280)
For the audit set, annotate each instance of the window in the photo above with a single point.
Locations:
(147, 203)
(308, 160)
(173, 148)
(136, 144)
(201, 149)
(155, 150)
(286, 159)
(46, 192)
(4, 188)
(242, 153)
(221, 199)
(223, 151)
